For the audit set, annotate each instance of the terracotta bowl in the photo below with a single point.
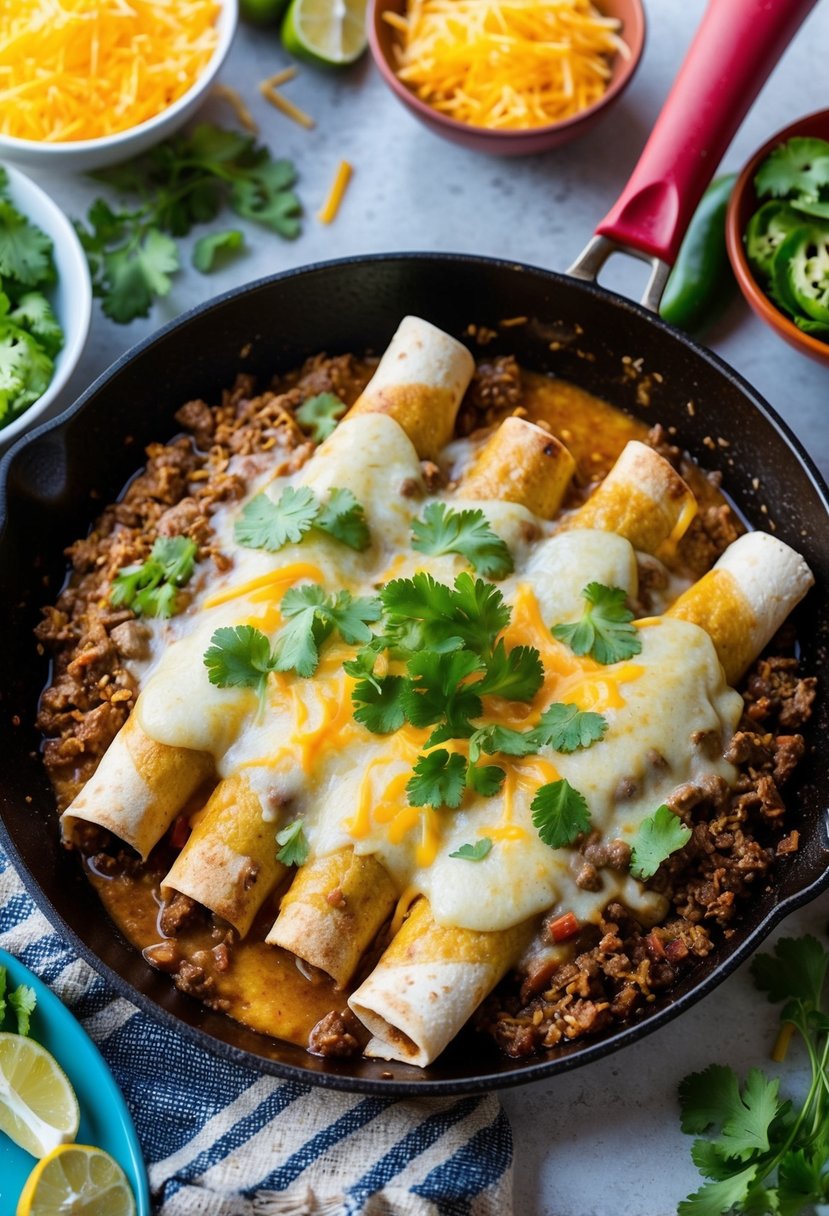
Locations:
(742, 205)
(382, 37)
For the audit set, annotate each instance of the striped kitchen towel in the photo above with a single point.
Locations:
(221, 1140)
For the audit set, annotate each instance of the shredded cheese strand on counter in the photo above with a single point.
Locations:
(506, 64)
(335, 195)
(84, 69)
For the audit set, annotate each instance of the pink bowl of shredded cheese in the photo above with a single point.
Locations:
(93, 82)
(507, 76)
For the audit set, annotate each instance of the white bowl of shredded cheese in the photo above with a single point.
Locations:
(70, 296)
(94, 82)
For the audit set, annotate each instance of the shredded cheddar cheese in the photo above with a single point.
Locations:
(268, 89)
(234, 99)
(85, 69)
(331, 205)
(506, 64)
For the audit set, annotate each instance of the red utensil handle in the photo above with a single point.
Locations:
(735, 49)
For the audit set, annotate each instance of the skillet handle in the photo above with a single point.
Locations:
(735, 48)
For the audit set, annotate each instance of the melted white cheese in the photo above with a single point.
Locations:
(306, 751)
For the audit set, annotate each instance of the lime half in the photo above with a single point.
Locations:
(330, 32)
(38, 1107)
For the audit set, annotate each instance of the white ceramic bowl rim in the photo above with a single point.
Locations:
(226, 26)
(73, 275)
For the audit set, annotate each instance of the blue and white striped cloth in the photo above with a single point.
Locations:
(220, 1140)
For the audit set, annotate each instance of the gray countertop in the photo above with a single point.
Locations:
(604, 1140)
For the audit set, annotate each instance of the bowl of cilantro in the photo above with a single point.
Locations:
(45, 302)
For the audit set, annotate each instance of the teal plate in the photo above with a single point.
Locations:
(105, 1120)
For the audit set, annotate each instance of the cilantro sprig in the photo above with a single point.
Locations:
(319, 415)
(604, 631)
(660, 835)
(181, 182)
(295, 847)
(151, 589)
(241, 656)
(444, 530)
(474, 852)
(762, 1152)
(20, 1002)
(269, 525)
(563, 727)
(560, 813)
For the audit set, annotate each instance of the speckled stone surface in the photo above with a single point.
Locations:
(604, 1140)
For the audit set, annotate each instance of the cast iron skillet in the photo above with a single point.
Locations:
(58, 479)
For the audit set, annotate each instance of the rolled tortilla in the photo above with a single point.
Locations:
(229, 863)
(429, 982)
(138, 788)
(419, 382)
(521, 463)
(642, 498)
(333, 910)
(744, 599)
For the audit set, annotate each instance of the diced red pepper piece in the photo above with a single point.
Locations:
(180, 832)
(563, 927)
(676, 950)
(655, 946)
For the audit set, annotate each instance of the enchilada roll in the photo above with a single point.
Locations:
(228, 864)
(333, 910)
(642, 498)
(521, 463)
(428, 983)
(419, 382)
(138, 788)
(745, 598)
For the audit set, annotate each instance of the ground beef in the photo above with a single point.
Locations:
(338, 1034)
(495, 390)
(736, 835)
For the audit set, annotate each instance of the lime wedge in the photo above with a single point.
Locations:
(80, 1179)
(329, 32)
(38, 1107)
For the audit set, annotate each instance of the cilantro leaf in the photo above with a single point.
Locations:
(265, 524)
(438, 780)
(443, 530)
(516, 674)
(419, 614)
(661, 834)
(25, 250)
(344, 518)
(134, 274)
(319, 415)
(715, 1198)
(796, 968)
(479, 612)
(800, 166)
(239, 656)
(150, 589)
(378, 703)
(566, 728)
(435, 690)
(310, 619)
(216, 248)
(34, 314)
(495, 738)
(295, 847)
(25, 370)
(485, 779)
(560, 813)
(474, 852)
(23, 1000)
(604, 631)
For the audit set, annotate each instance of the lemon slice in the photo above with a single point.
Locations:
(38, 1107)
(331, 32)
(76, 1180)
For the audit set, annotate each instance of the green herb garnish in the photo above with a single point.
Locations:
(216, 249)
(319, 415)
(566, 728)
(151, 589)
(467, 533)
(295, 847)
(661, 834)
(20, 1001)
(560, 813)
(605, 631)
(180, 183)
(474, 852)
(439, 779)
(240, 656)
(265, 524)
(763, 1153)
(311, 617)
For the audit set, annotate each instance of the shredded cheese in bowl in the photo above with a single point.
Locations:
(86, 69)
(506, 64)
